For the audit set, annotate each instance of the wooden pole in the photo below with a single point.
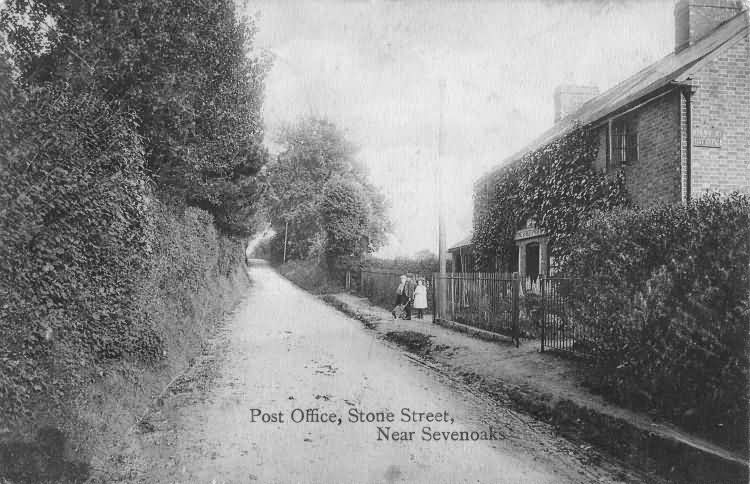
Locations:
(442, 254)
(543, 311)
(515, 305)
(286, 230)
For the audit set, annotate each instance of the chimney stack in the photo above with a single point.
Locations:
(694, 19)
(568, 98)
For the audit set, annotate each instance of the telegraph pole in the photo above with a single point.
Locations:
(442, 249)
(286, 230)
(441, 204)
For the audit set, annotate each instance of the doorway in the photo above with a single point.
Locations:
(532, 262)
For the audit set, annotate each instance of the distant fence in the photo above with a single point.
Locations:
(379, 286)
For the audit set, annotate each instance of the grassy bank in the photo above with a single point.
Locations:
(310, 275)
(110, 408)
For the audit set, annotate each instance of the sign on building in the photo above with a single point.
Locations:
(707, 137)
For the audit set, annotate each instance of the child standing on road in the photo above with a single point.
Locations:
(420, 298)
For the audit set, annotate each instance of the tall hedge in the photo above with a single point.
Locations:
(130, 140)
(74, 227)
(667, 291)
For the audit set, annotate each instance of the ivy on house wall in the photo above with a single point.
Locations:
(556, 186)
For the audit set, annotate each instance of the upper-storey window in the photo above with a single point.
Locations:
(622, 144)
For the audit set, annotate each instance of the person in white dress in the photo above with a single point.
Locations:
(420, 298)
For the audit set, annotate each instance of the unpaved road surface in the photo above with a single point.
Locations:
(284, 350)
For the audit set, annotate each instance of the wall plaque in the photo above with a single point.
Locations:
(529, 233)
(708, 138)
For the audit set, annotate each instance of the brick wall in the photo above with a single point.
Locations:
(655, 177)
(721, 104)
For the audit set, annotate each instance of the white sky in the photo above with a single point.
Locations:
(373, 67)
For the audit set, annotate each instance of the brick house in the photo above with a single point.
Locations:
(678, 128)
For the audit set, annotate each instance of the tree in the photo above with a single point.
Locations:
(181, 66)
(379, 225)
(319, 195)
(345, 214)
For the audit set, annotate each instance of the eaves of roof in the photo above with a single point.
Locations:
(462, 243)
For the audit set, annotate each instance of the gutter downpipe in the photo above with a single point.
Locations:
(688, 89)
(689, 135)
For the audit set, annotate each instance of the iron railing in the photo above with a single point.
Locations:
(500, 303)
(484, 300)
(562, 327)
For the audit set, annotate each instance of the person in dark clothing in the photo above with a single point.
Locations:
(409, 287)
(401, 300)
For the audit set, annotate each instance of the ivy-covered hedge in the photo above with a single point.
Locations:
(112, 121)
(188, 262)
(74, 227)
(668, 292)
(87, 255)
(556, 186)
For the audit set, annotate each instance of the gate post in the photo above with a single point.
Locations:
(434, 300)
(543, 309)
(441, 287)
(515, 305)
(453, 297)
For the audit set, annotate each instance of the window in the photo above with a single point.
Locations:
(622, 144)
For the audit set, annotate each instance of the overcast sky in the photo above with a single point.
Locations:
(373, 68)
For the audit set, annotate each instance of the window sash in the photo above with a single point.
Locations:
(624, 148)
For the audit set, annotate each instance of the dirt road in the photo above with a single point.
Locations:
(284, 352)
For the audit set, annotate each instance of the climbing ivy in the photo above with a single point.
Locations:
(556, 186)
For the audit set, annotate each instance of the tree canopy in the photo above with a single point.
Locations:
(180, 66)
(319, 195)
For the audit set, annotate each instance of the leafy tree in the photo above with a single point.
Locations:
(181, 66)
(319, 198)
(379, 225)
(345, 214)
